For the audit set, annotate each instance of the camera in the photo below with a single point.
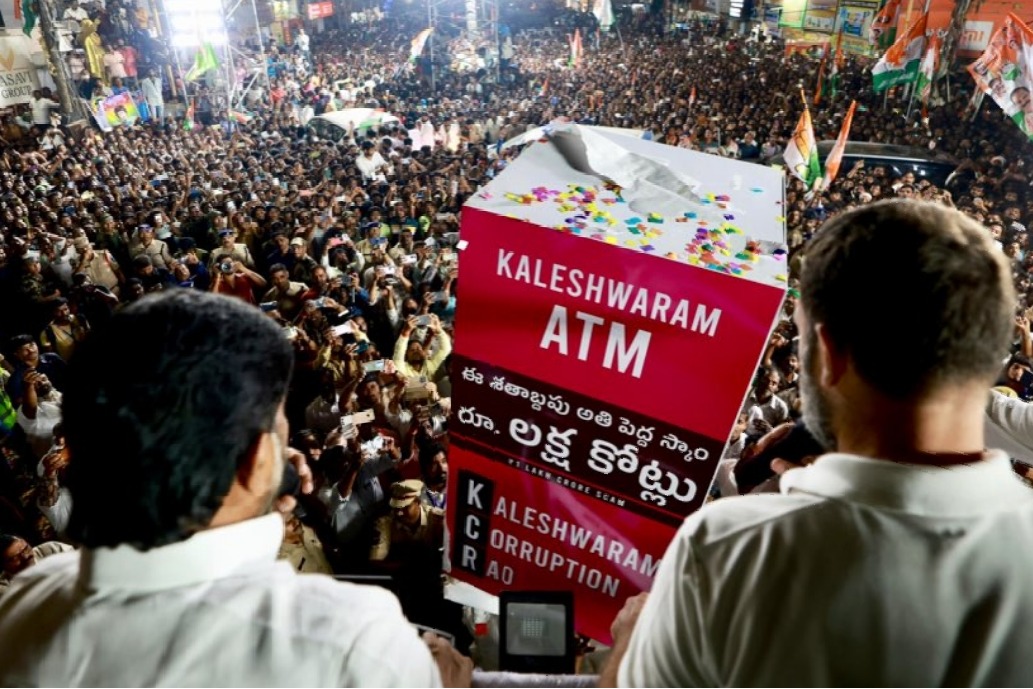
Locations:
(226, 266)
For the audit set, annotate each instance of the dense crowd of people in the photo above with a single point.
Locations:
(349, 247)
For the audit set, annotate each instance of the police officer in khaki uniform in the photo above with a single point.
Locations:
(410, 523)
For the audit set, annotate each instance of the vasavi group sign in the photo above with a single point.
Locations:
(17, 73)
(613, 311)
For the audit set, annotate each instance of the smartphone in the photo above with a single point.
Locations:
(348, 429)
(444, 635)
(363, 346)
(422, 321)
(374, 366)
(793, 448)
(290, 484)
(364, 416)
(268, 306)
(344, 329)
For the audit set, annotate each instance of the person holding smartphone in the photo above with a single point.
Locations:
(412, 358)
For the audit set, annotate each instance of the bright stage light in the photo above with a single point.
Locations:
(193, 23)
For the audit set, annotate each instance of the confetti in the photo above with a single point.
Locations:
(781, 278)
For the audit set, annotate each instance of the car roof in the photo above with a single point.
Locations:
(861, 149)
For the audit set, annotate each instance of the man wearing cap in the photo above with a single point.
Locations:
(410, 523)
(304, 265)
(100, 266)
(228, 246)
(144, 244)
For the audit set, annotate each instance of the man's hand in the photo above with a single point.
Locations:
(286, 504)
(455, 668)
(625, 621)
(410, 325)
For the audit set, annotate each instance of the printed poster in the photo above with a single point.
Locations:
(594, 390)
(820, 16)
(116, 111)
(855, 17)
(1005, 71)
(17, 73)
(793, 12)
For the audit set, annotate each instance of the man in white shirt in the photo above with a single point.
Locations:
(902, 558)
(371, 164)
(40, 107)
(152, 94)
(174, 413)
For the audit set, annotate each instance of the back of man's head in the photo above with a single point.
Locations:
(162, 406)
(915, 293)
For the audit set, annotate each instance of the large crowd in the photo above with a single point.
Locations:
(349, 245)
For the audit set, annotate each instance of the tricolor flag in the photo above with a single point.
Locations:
(801, 154)
(831, 84)
(575, 49)
(238, 116)
(927, 71)
(418, 43)
(884, 27)
(835, 158)
(900, 63)
(188, 120)
(1005, 71)
(820, 88)
(692, 97)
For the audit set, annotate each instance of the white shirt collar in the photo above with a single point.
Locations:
(959, 490)
(205, 556)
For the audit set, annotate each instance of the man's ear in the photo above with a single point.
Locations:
(832, 360)
(254, 473)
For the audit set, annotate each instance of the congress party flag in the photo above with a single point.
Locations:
(884, 28)
(835, 159)
(900, 63)
(801, 154)
(927, 71)
(1005, 71)
(418, 43)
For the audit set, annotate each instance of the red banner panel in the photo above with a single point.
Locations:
(320, 10)
(594, 389)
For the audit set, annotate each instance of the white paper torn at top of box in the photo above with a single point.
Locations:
(715, 213)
